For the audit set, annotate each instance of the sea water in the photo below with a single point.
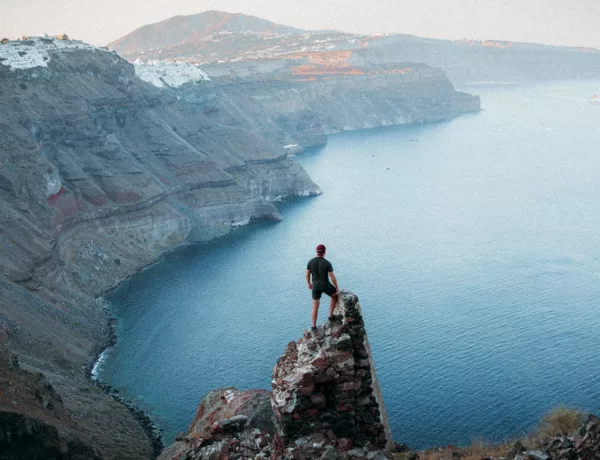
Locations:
(473, 246)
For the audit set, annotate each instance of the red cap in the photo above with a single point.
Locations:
(321, 248)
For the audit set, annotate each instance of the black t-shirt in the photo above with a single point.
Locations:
(319, 269)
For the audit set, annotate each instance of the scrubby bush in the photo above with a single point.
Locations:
(561, 421)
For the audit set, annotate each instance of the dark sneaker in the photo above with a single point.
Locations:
(313, 329)
(332, 318)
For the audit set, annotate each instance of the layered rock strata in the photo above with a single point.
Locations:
(325, 384)
(300, 111)
(100, 174)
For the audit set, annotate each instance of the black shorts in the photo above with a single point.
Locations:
(317, 290)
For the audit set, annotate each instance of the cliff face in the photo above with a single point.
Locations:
(100, 174)
(326, 403)
(300, 106)
(95, 154)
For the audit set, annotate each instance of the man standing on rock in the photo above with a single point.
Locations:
(321, 270)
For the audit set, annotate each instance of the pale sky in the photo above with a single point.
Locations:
(557, 22)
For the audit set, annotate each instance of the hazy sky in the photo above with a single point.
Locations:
(561, 22)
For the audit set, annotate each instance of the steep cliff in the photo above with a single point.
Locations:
(100, 174)
(300, 105)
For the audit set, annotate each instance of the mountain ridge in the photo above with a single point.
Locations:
(199, 26)
(464, 61)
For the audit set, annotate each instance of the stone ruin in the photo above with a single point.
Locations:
(324, 386)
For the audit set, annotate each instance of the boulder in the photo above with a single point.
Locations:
(229, 424)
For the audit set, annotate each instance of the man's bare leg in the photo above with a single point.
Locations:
(315, 312)
(332, 304)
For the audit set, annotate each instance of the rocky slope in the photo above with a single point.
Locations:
(100, 174)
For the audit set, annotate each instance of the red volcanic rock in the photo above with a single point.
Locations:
(55, 196)
(229, 424)
(216, 428)
(345, 444)
(226, 403)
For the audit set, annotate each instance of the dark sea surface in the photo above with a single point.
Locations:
(473, 245)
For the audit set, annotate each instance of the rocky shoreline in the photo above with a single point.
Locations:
(143, 418)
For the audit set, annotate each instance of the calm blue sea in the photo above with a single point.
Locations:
(473, 245)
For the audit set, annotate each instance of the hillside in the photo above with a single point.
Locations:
(100, 174)
(182, 32)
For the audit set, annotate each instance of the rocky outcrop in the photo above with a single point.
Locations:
(229, 424)
(326, 403)
(325, 387)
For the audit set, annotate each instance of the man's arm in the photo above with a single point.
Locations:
(308, 279)
(334, 280)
